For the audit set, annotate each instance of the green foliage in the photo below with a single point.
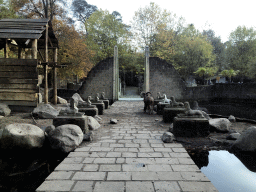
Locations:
(240, 51)
(149, 20)
(7, 10)
(104, 31)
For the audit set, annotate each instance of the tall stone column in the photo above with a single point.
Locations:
(115, 74)
(146, 72)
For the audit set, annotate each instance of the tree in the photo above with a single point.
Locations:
(192, 51)
(104, 31)
(218, 48)
(73, 49)
(205, 72)
(40, 8)
(240, 51)
(229, 73)
(7, 10)
(82, 10)
(149, 21)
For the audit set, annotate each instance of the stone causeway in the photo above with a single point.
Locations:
(130, 157)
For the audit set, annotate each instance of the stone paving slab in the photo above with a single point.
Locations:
(132, 158)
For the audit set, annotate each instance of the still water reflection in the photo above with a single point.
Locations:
(228, 173)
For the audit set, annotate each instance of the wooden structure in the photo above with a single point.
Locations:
(32, 38)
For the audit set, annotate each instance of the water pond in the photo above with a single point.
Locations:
(229, 172)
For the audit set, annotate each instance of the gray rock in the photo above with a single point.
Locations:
(113, 121)
(45, 111)
(247, 141)
(66, 137)
(168, 137)
(49, 129)
(93, 123)
(88, 136)
(220, 124)
(97, 117)
(4, 109)
(233, 136)
(232, 119)
(21, 135)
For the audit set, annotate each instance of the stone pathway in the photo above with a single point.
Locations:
(132, 158)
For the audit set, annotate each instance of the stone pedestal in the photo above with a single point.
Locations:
(160, 107)
(191, 127)
(100, 106)
(156, 101)
(81, 121)
(106, 103)
(89, 111)
(170, 113)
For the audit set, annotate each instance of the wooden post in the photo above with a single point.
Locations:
(55, 57)
(46, 66)
(34, 49)
(5, 49)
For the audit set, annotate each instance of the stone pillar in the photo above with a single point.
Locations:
(146, 72)
(115, 74)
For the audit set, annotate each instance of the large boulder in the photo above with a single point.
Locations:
(220, 125)
(246, 142)
(93, 123)
(4, 109)
(65, 137)
(21, 135)
(168, 137)
(45, 111)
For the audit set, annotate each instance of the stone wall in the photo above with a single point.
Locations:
(165, 79)
(99, 79)
(229, 92)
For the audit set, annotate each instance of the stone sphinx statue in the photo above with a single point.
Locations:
(190, 112)
(85, 104)
(103, 96)
(174, 103)
(159, 96)
(72, 110)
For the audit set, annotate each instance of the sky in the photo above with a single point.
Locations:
(223, 16)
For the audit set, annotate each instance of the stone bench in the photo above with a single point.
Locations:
(190, 127)
(170, 113)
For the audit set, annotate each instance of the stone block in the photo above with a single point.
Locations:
(160, 108)
(170, 113)
(119, 176)
(139, 186)
(109, 186)
(100, 106)
(82, 185)
(90, 176)
(191, 127)
(82, 121)
(167, 186)
(89, 111)
(53, 185)
(196, 186)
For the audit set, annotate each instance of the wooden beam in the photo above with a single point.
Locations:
(34, 49)
(55, 57)
(46, 66)
(5, 49)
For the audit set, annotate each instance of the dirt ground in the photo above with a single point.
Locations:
(213, 141)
